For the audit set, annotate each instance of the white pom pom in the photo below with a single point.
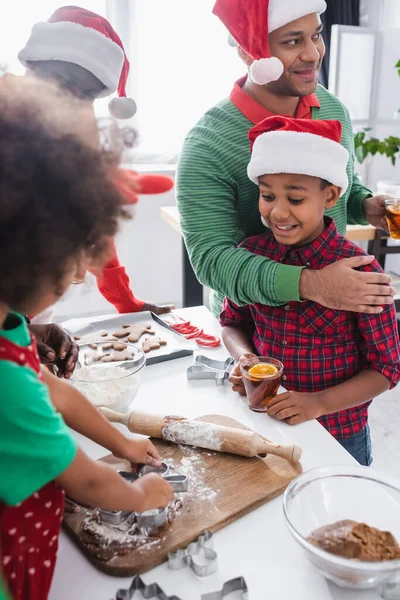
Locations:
(122, 108)
(265, 70)
(232, 42)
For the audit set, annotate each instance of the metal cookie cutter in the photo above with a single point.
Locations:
(179, 482)
(233, 585)
(150, 519)
(207, 368)
(146, 520)
(186, 557)
(148, 591)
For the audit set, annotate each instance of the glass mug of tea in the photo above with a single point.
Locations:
(392, 206)
(261, 377)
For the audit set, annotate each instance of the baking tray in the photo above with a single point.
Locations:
(177, 345)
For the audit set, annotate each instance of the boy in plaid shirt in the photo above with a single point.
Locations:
(335, 362)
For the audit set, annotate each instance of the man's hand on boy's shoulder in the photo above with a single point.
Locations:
(296, 407)
(56, 347)
(339, 286)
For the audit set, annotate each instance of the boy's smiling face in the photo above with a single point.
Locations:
(294, 206)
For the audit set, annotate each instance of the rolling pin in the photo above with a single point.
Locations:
(201, 434)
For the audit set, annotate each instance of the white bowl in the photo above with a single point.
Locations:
(113, 385)
(325, 495)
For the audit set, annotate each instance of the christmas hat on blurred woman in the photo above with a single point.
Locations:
(250, 21)
(81, 37)
(300, 146)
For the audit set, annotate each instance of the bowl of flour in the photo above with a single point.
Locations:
(111, 385)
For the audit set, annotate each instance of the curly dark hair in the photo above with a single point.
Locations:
(57, 196)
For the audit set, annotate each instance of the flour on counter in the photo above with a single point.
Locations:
(193, 433)
(192, 465)
(102, 386)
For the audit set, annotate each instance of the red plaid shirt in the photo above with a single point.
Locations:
(318, 346)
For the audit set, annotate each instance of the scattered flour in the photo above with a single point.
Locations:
(193, 433)
(103, 388)
(192, 465)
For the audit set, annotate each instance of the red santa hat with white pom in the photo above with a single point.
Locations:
(312, 147)
(250, 21)
(75, 35)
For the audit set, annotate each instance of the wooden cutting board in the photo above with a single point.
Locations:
(225, 487)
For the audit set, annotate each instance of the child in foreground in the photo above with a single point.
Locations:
(335, 362)
(59, 210)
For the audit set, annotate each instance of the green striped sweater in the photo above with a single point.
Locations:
(218, 206)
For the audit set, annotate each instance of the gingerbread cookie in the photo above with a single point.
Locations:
(119, 346)
(134, 332)
(116, 356)
(92, 338)
(153, 344)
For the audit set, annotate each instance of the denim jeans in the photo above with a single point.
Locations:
(359, 446)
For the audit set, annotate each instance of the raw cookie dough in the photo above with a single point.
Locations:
(153, 344)
(350, 539)
(134, 332)
(105, 541)
(92, 338)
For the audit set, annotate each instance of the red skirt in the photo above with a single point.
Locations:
(29, 542)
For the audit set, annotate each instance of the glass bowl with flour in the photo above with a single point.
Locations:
(113, 385)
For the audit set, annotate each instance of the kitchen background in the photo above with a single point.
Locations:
(181, 64)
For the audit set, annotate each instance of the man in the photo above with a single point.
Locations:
(281, 45)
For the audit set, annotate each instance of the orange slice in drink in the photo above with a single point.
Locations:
(393, 208)
(263, 370)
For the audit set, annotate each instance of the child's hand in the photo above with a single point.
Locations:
(236, 378)
(296, 407)
(140, 452)
(158, 492)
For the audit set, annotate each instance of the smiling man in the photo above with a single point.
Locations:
(280, 43)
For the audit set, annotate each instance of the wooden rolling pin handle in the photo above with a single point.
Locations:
(138, 422)
(291, 453)
(114, 417)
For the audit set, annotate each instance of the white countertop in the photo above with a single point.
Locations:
(258, 546)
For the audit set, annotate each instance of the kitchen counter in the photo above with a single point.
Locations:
(258, 546)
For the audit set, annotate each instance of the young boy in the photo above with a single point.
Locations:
(335, 362)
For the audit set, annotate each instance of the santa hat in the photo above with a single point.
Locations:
(250, 21)
(300, 146)
(81, 37)
(130, 183)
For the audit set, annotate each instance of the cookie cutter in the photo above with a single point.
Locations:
(148, 591)
(186, 557)
(149, 519)
(233, 585)
(179, 482)
(162, 471)
(208, 368)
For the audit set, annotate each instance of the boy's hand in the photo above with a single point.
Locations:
(139, 452)
(296, 407)
(236, 378)
(158, 492)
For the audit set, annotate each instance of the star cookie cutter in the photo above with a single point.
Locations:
(233, 585)
(148, 591)
(187, 556)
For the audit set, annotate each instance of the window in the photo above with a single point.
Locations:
(183, 66)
